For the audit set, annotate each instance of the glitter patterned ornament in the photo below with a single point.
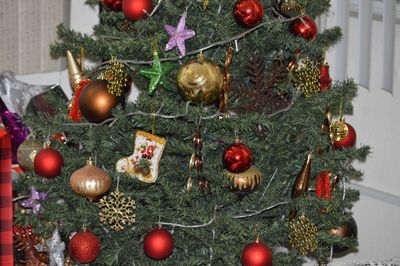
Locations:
(117, 210)
(178, 35)
(143, 163)
(306, 78)
(303, 235)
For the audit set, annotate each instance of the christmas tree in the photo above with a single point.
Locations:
(235, 149)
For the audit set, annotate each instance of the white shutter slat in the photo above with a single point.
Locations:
(389, 22)
(365, 26)
(342, 20)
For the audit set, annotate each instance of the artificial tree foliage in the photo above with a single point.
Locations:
(280, 140)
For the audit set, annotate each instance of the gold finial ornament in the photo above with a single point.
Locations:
(75, 72)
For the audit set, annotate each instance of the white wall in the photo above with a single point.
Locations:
(378, 212)
(375, 119)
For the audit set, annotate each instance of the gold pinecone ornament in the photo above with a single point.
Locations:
(303, 235)
(116, 76)
(306, 77)
(117, 210)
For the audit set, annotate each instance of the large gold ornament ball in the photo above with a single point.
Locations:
(245, 182)
(200, 81)
(96, 103)
(90, 181)
(27, 152)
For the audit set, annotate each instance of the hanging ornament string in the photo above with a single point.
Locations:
(223, 99)
(154, 118)
(205, 4)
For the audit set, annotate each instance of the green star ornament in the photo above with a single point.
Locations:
(157, 74)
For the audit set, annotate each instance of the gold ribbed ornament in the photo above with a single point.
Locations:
(245, 182)
(90, 181)
(75, 72)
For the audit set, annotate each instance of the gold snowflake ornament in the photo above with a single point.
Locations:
(117, 210)
(303, 235)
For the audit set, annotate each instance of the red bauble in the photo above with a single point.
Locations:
(158, 244)
(48, 163)
(133, 9)
(325, 80)
(84, 247)
(305, 27)
(348, 141)
(114, 5)
(248, 12)
(237, 157)
(257, 254)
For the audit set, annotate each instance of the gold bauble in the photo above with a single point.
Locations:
(27, 152)
(200, 81)
(90, 181)
(338, 130)
(245, 182)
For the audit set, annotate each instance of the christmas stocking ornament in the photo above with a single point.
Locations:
(143, 163)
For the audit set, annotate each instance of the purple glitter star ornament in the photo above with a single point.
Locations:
(179, 35)
(34, 201)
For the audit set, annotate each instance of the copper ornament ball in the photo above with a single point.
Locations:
(96, 103)
(347, 229)
(200, 81)
(90, 181)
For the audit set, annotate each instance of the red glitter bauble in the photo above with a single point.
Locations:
(48, 163)
(134, 9)
(248, 12)
(305, 27)
(348, 141)
(237, 157)
(114, 5)
(257, 254)
(84, 247)
(158, 244)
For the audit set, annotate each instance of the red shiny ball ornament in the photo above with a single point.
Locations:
(84, 247)
(305, 27)
(348, 141)
(48, 163)
(257, 254)
(133, 9)
(158, 244)
(248, 12)
(237, 157)
(113, 5)
(325, 80)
